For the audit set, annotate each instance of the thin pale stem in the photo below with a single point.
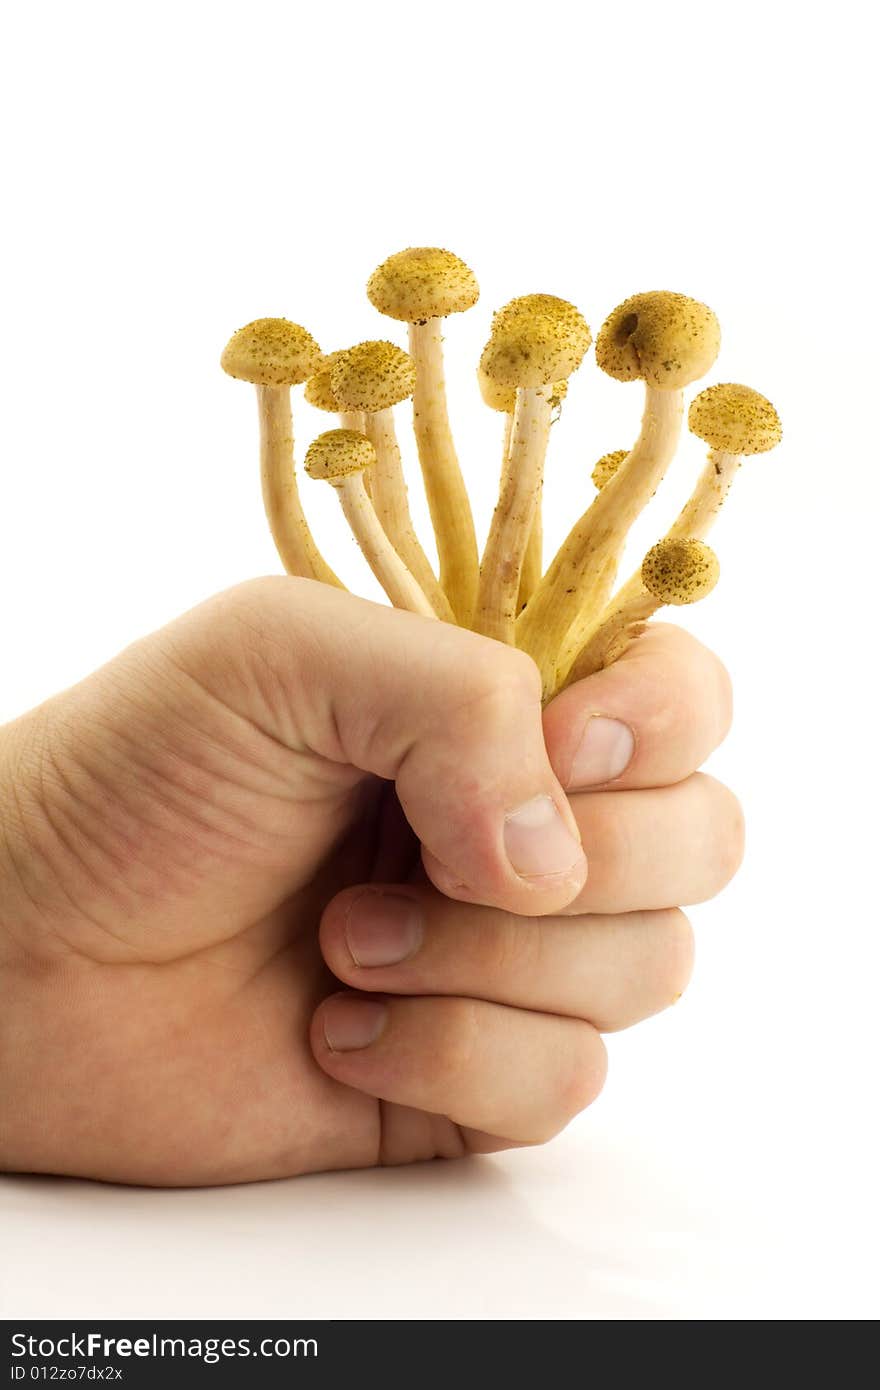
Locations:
(623, 619)
(284, 512)
(444, 486)
(533, 560)
(521, 480)
(379, 553)
(392, 508)
(580, 578)
(354, 420)
(694, 522)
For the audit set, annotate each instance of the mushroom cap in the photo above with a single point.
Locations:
(337, 454)
(666, 339)
(423, 282)
(504, 397)
(735, 418)
(318, 391)
(536, 339)
(606, 467)
(680, 571)
(271, 352)
(372, 376)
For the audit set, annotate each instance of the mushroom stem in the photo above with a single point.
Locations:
(447, 495)
(521, 479)
(699, 512)
(533, 559)
(379, 553)
(351, 420)
(694, 522)
(392, 508)
(621, 621)
(284, 512)
(677, 570)
(354, 420)
(582, 573)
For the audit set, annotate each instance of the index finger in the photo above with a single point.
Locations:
(649, 720)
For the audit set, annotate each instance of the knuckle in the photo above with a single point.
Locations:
(510, 947)
(724, 696)
(455, 1042)
(582, 1075)
(611, 849)
(730, 834)
(674, 957)
(498, 680)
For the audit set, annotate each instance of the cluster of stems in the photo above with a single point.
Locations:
(570, 615)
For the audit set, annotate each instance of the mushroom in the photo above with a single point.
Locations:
(536, 340)
(275, 354)
(603, 470)
(667, 340)
(675, 571)
(373, 377)
(735, 421)
(420, 287)
(318, 393)
(503, 398)
(341, 457)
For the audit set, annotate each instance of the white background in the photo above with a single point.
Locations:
(173, 171)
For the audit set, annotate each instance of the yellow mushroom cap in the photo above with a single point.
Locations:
(372, 376)
(317, 390)
(423, 282)
(606, 467)
(271, 352)
(504, 397)
(680, 572)
(666, 339)
(536, 339)
(735, 418)
(337, 454)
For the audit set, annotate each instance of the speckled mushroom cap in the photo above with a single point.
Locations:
(423, 282)
(271, 352)
(504, 397)
(337, 454)
(372, 376)
(606, 467)
(735, 418)
(317, 390)
(536, 339)
(680, 571)
(666, 339)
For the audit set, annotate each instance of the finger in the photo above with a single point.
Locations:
(507, 1072)
(452, 718)
(612, 971)
(647, 849)
(650, 719)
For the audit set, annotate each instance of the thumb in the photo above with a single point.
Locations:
(452, 718)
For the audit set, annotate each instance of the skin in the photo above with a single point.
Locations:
(192, 837)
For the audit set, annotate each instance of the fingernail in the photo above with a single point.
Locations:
(538, 841)
(383, 929)
(350, 1024)
(605, 751)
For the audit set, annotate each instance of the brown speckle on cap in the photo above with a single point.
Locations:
(372, 376)
(680, 571)
(271, 352)
(735, 419)
(337, 454)
(423, 282)
(662, 338)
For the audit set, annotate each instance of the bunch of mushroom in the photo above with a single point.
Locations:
(570, 617)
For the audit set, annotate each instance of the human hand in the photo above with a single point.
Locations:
(188, 837)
